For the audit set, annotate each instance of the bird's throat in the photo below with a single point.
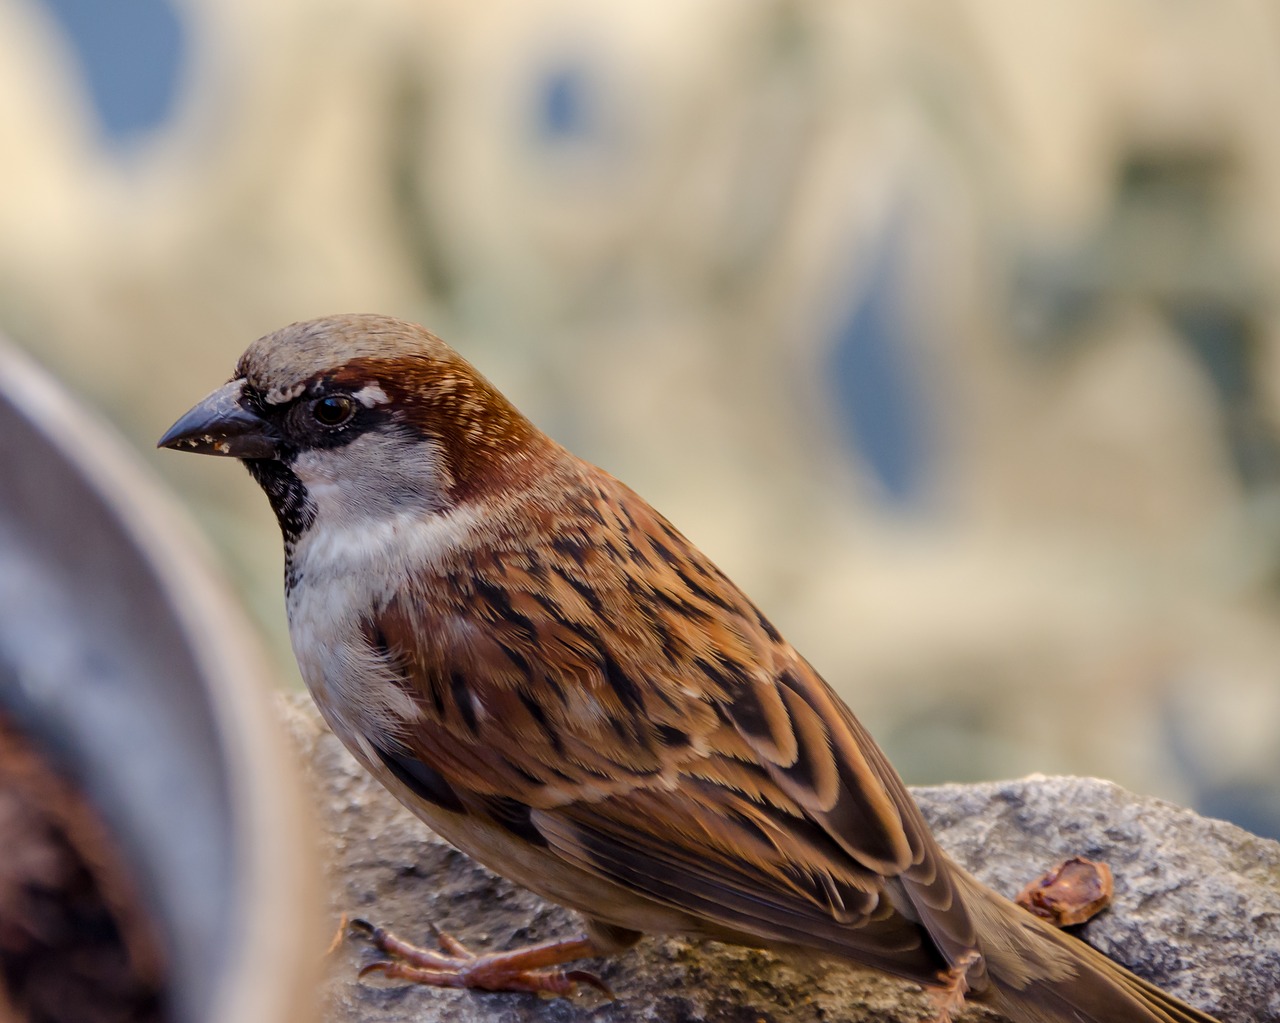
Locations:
(287, 494)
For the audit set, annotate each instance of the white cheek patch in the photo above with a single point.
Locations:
(370, 395)
(373, 477)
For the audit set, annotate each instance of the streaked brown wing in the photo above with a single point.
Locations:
(613, 696)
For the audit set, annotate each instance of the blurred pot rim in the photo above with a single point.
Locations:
(271, 970)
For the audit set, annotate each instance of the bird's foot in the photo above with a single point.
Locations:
(534, 969)
(949, 995)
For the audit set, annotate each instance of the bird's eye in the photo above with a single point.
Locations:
(333, 410)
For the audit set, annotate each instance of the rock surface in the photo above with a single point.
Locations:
(1197, 908)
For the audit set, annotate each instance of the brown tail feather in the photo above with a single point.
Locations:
(1041, 975)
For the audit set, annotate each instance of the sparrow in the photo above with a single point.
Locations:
(557, 682)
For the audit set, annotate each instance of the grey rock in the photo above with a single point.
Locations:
(1197, 903)
(1197, 908)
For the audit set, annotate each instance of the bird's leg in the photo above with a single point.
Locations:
(949, 996)
(533, 969)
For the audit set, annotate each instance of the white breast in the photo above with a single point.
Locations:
(345, 570)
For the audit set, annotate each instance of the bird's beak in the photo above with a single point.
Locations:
(223, 424)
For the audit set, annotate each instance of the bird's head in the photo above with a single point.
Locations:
(360, 416)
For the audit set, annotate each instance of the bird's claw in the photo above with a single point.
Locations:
(376, 967)
(456, 966)
(591, 980)
(949, 996)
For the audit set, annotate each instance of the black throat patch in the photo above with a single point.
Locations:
(288, 497)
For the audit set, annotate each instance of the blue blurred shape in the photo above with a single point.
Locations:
(873, 379)
(564, 107)
(131, 54)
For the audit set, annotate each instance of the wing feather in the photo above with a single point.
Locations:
(611, 692)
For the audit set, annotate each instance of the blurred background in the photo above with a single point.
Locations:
(949, 330)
